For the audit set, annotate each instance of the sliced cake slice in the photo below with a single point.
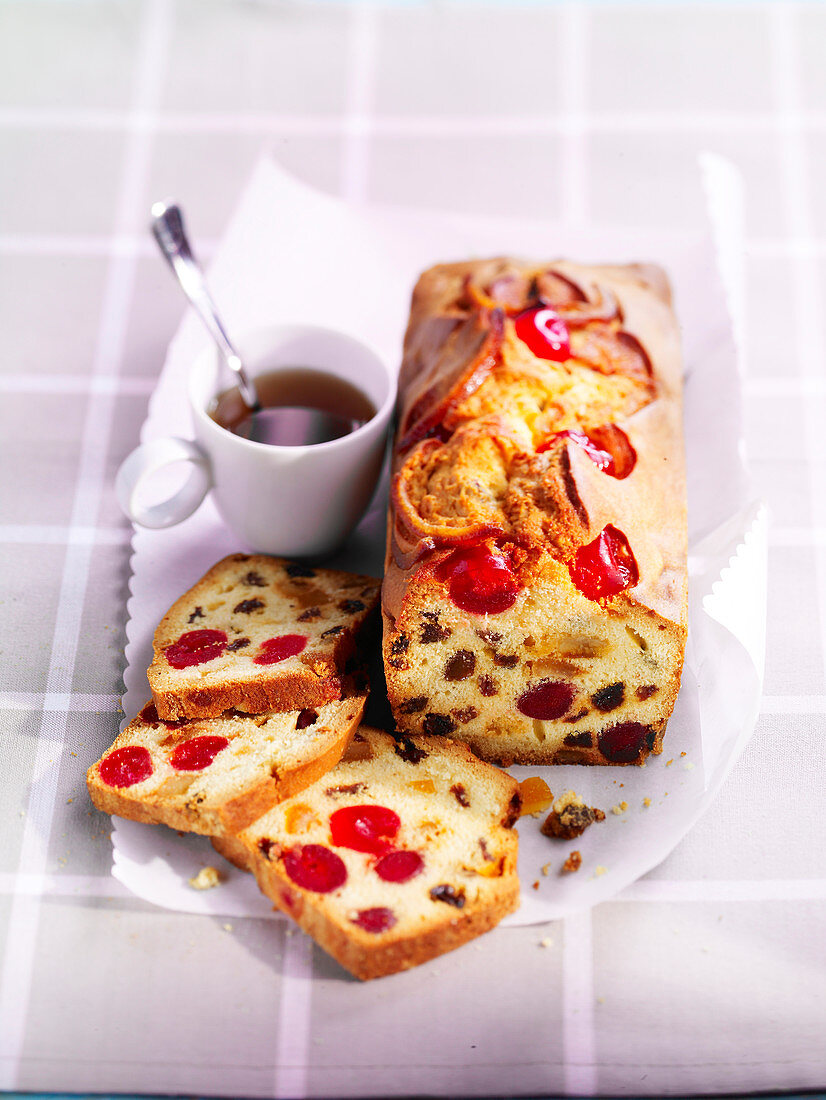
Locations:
(258, 633)
(403, 851)
(217, 775)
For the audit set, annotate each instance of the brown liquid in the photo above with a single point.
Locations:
(299, 407)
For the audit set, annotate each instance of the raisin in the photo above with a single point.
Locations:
(448, 894)
(265, 846)
(460, 665)
(505, 660)
(609, 698)
(488, 686)
(198, 613)
(575, 717)
(432, 632)
(439, 724)
(646, 692)
(465, 714)
(401, 643)
(310, 614)
(350, 607)
(246, 607)
(582, 739)
(460, 794)
(254, 580)
(513, 812)
(570, 822)
(346, 788)
(331, 633)
(295, 570)
(483, 847)
(408, 750)
(239, 643)
(415, 705)
(306, 717)
(492, 637)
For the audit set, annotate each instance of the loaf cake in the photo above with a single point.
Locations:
(217, 775)
(535, 594)
(403, 851)
(258, 633)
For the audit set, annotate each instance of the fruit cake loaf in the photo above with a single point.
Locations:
(403, 851)
(535, 594)
(258, 633)
(217, 775)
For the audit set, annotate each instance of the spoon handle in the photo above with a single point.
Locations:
(168, 230)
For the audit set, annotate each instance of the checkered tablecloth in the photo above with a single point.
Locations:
(708, 975)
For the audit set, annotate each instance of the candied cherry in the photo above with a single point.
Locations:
(376, 920)
(278, 649)
(196, 647)
(197, 753)
(127, 766)
(546, 700)
(400, 866)
(480, 580)
(608, 447)
(364, 828)
(605, 566)
(314, 867)
(624, 743)
(545, 333)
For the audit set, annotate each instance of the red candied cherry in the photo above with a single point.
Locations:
(197, 753)
(480, 580)
(376, 920)
(127, 766)
(624, 743)
(605, 566)
(196, 647)
(545, 333)
(547, 700)
(314, 867)
(364, 828)
(400, 866)
(278, 649)
(608, 447)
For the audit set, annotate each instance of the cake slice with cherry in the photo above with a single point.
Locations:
(405, 850)
(258, 633)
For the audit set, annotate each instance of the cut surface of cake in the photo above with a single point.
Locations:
(216, 775)
(258, 633)
(535, 595)
(403, 851)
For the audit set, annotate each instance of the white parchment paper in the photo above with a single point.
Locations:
(292, 254)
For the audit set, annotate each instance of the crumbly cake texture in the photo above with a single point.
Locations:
(217, 775)
(434, 862)
(258, 633)
(554, 485)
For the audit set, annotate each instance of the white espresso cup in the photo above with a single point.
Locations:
(294, 501)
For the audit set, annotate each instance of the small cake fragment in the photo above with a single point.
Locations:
(206, 879)
(570, 817)
(396, 855)
(572, 863)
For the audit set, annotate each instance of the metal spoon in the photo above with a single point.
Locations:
(283, 426)
(168, 230)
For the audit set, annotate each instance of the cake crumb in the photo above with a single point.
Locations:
(668, 763)
(570, 817)
(646, 802)
(546, 868)
(688, 766)
(620, 809)
(546, 942)
(206, 878)
(682, 754)
(599, 870)
(600, 1000)
(536, 885)
(227, 927)
(572, 863)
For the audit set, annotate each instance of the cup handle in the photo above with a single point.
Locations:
(150, 458)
